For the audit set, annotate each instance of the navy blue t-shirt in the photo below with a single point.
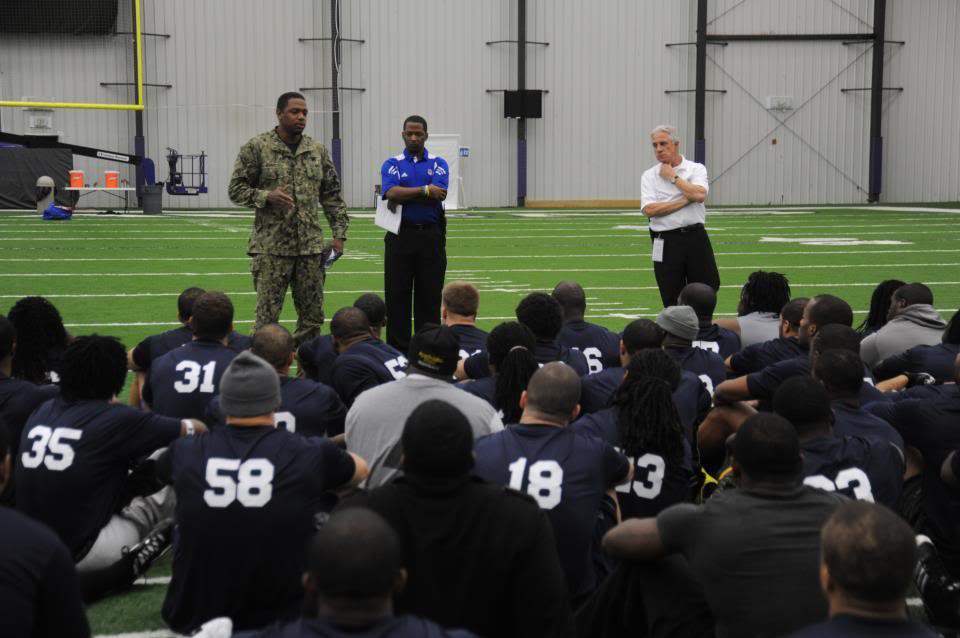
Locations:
(864, 469)
(473, 340)
(478, 366)
(39, 594)
(707, 365)
(246, 499)
(931, 426)
(485, 388)
(721, 341)
(763, 384)
(691, 397)
(936, 360)
(850, 419)
(155, 346)
(73, 461)
(758, 356)
(567, 474)
(600, 346)
(657, 482)
(394, 627)
(182, 382)
(365, 365)
(306, 407)
(316, 358)
(844, 626)
(18, 398)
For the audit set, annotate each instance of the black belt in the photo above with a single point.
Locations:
(413, 226)
(692, 228)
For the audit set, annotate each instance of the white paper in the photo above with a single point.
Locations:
(387, 219)
(658, 250)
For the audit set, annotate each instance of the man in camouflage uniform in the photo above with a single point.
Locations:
(283, 174)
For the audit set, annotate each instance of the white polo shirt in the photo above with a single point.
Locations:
(655, 189)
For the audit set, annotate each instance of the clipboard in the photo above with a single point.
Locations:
(387, 219)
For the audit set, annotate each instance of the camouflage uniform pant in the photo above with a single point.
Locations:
(305, 275)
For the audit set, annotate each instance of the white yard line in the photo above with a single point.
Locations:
(157, 633)
(473, 274)
(855, 251)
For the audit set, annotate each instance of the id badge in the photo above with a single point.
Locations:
(658, 250)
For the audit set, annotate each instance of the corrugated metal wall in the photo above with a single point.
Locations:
(606, 70)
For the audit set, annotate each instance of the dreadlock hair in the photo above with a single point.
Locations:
(647, 417)
(510, 347)
(41, 338)
(879, 306)
(93, 367)
(764, 292)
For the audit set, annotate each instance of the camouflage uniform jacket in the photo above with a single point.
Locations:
(265, 163)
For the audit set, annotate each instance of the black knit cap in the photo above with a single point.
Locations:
(437, 441)
(435, 350)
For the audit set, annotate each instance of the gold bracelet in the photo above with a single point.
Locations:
(426, 191)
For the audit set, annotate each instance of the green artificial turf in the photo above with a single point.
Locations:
(120, 275)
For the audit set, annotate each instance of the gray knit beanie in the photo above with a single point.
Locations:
(249, 387)
(680, 321)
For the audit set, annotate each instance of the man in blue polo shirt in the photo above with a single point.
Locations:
(415, 260)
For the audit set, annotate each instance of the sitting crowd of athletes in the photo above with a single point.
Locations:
(778, 472)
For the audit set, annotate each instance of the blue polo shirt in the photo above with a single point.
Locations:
(409, 172)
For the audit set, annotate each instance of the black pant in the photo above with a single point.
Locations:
(687, 258)
(415, 262)
(656, 599)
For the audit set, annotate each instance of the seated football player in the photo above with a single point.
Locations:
(76, 453)
(477, 556)
(246, 497)
(821, 311)
(355, 566)
(644, 424)
(841, 373)
(864, 468)
(316, 357)
(867, 560)
(787, 346)
(913, 321)
(510, 348)
(703, 299)
(567, 473)
(144, 353)
(39, 594)
(42, 338)
(936, 360)
(18, 398)
(930, 426)
(682, 327)
(459, 305)
(600, 346)
(769, 529)
(181, 382)
(363, 361)
(306, 407)
(372, 429)
(758, 311)
(690, 396)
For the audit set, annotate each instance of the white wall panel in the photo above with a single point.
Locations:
(606, 70)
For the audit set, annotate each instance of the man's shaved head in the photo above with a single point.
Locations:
(273, 343)
(572, 299)
(701, 297)
(348, 323)
(554, 391)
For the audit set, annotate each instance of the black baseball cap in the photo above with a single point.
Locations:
(435, 351)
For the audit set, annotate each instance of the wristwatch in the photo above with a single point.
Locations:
(674, 180)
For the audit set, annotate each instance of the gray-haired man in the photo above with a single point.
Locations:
(672, 194)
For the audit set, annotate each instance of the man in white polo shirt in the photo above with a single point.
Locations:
(672, 194)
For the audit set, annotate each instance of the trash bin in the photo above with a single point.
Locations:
(152, 197)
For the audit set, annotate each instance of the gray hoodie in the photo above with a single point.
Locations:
(916, 325)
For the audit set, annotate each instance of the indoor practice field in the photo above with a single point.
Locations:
(120, 275)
